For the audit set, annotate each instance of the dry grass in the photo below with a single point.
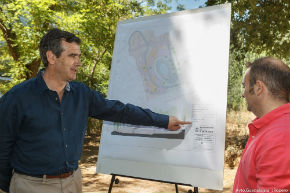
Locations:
(236, 136)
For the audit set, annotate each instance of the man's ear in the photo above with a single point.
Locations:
(259, 87)
(50, 57)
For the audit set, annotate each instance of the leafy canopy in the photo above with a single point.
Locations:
(24, 22)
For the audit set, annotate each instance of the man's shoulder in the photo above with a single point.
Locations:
(14, 95)
(278, 131)
(281, 123)
(21, 88)
(78, 86)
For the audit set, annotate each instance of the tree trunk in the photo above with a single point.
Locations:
(33, 68)
(91, 83)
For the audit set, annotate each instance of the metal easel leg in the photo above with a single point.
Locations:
(176, 188)
(112, 183)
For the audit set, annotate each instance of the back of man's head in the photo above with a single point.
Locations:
(274, 73)
(52, 41)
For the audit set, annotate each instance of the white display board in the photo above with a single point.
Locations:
(175, 64)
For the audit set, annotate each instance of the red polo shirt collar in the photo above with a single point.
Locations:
(259, 123)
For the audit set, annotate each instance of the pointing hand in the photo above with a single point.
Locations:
(175, 124)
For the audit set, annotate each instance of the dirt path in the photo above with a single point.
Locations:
(93, 182)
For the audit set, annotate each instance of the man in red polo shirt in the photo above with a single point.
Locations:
(265, 163)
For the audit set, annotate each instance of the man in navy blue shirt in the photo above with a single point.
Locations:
(43, 121)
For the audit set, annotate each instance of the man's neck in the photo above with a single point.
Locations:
(269, 106)
(54, 83)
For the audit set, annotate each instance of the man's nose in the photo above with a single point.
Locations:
(78, 61)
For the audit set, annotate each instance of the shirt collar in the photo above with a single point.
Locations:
(259, 123)
(67, 87)
(42, 85)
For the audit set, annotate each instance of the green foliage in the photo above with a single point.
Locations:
(258, 28)
(24, 22)
(236, 69)
(180, 7)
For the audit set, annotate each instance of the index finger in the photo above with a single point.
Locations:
(184, 122)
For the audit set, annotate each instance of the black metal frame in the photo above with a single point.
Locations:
(116, 181)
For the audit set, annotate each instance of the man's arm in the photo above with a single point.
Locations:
(116, 111)
(8, 122)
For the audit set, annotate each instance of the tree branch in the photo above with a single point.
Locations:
(95, 65)
(9, 36)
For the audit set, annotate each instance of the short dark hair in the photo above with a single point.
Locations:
(52, 41)
(274, 73)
